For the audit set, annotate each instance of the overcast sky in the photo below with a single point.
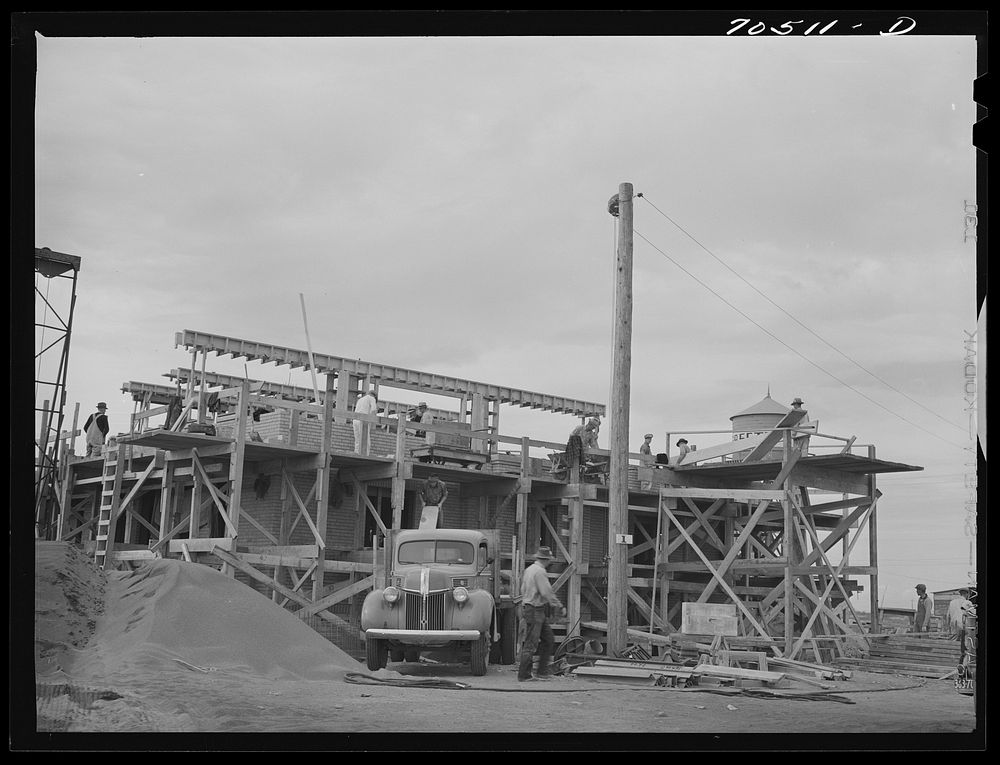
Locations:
(441, 204)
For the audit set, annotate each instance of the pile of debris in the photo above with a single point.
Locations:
(931, 655)
(722, 662)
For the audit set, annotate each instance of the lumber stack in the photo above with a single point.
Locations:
(931, 656)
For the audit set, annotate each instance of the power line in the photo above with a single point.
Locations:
(793, 318)
(793, 350)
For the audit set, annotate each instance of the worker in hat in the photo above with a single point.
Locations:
(537, 600)
(646, 450)
(433, 493)
(367, 404)
(957, 609)
(581, 440)
(418, 415)
(682, 444)
(924, 611)
(800, 440)
(96, 430)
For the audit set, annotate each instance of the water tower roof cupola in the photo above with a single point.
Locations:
(766, 405)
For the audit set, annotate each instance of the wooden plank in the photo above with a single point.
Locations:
(201, 544)
(297, 551)
(737, 495)
(830, 480)
(621, 674)
(771, 439)
(721, 450)
(740, 673)
(375, 472)
(257, 525)
(362, 585)
(501, 487)
(133, 555)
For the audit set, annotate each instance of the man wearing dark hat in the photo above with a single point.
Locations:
(96, 430)
(925, 609)
(420, 414)
(682, 444)
(537, 598)
(433, 494)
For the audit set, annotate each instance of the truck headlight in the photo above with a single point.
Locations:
(460, 594)
(390, 594)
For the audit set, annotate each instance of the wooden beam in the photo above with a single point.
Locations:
(830, 480)
(202, 544)
(715, 576)
(544, 492)
(257, 525)
(217, 497)
(379, 472)
(721, 450)
(771, 439)
(303, 510)
(371, 508)
(253, 573)
(336, 597)
(500, 487)
(737, 495)
(556, 536)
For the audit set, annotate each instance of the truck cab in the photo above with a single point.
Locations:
(443, 590)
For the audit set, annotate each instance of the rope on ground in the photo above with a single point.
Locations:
(360, 678)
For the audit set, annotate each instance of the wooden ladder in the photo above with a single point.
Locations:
(111, 488)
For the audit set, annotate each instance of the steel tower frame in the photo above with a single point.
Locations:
(50, 394)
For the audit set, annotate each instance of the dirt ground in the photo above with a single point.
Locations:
(178, 656)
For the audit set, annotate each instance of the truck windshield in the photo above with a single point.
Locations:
(436, 551)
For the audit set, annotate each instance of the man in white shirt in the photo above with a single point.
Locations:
(956, 613)
(367, 404)
(536, 598)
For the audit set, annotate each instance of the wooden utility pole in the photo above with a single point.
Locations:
(621, 367)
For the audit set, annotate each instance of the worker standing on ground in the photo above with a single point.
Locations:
(367, 404)
(537, 598)
(96, 430)
(925, 609)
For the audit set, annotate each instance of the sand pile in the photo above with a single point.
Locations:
(114, 637)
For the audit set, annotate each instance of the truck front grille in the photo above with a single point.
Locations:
(425, 612)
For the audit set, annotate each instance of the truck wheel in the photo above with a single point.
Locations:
(411, 654)
(480, 655)
(508, 636)
(397, 653)
(376, 652)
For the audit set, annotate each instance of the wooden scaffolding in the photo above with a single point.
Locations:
(285, 502)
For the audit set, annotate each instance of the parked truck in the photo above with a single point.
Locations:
(444, 591)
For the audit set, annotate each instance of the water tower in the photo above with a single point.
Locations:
(756, 420)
